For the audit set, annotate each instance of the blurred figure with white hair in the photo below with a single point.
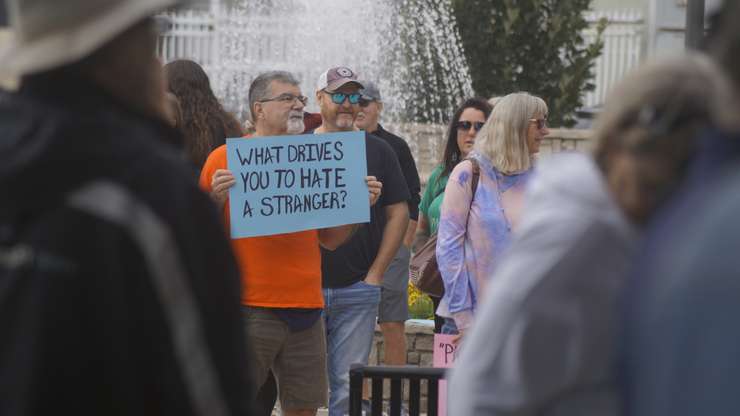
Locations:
(682, 337)
(544, 340)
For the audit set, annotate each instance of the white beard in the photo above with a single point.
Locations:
(345, 123)
(295, 126)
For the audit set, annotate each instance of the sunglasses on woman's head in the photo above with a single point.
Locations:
(466, 125)
(339, 97)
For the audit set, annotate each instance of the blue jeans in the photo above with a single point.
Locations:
(349, 314)
(449, 327)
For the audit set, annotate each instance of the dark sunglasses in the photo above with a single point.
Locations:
(285, 98)
(339, 97)
(364, 102)
(541, 122)
(466, 125)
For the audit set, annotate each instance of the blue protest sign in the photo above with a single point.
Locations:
(294, 183)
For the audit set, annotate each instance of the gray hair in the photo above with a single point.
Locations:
(260, 87)
(685, 93)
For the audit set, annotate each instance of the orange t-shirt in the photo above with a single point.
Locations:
(277, 271)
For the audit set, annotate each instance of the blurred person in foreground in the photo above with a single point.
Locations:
(466, 122)
(393, 310)
(681, 349)
(475, 226)
(118, 291)
(205, 123)
(544, 341)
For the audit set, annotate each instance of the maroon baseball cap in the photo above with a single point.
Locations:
(335, 78)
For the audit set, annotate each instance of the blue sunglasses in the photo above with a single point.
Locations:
(339, 97)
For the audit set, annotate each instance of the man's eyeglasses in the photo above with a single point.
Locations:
(466, 125)
(541, 122)
(339, 97)
(287, 98)
(364, 102)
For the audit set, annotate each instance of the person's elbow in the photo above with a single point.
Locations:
(398, 212)
(331, 243)
(331, 238)
(330, 246)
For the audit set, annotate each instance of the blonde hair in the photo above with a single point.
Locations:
(503, 139)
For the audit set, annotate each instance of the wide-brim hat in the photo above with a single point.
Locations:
(47, 34)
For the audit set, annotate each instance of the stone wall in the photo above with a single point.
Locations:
(427, 141)
(419, 343)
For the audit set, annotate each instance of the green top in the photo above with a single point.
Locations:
(431, 202)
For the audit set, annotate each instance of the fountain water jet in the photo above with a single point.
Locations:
(411, 48)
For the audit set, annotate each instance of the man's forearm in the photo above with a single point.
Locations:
(332, 238)
(422, 233)
(393, 234)
(408, 239)
(219, 202)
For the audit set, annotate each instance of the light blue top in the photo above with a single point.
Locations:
(471, 238)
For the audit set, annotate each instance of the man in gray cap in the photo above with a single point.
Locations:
(118, 291)
(394, 308)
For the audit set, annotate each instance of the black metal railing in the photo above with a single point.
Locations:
(396, 375)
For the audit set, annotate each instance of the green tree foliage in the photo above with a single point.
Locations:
(530, 45)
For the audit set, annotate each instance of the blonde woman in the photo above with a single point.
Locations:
(474, 228)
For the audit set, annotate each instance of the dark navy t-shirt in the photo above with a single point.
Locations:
(350, 262)
(408, 167)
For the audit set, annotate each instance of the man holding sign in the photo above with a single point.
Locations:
(353, 273)
(281, 274)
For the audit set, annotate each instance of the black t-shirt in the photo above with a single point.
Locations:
(408, 167)
(350, 262)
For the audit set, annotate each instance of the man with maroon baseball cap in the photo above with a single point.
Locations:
(335, 78)
(352, 274)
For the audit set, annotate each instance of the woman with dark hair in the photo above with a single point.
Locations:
(205, 123)
(467, 120)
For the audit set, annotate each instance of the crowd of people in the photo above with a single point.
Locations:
(592, 283)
